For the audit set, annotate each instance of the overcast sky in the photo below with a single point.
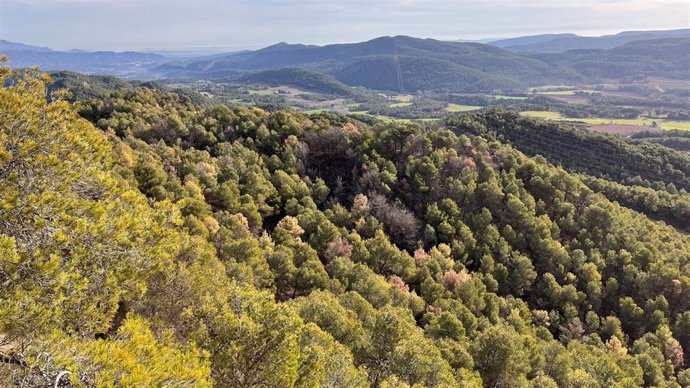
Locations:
(240, 24)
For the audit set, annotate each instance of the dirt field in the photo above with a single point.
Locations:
(619, 129)
(572, 99)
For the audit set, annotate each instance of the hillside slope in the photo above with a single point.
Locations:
(558, 43)
(644, 176)
(6, 45)
(100, 62)
(661, 58)
(579, 150)
(237, 247)
(405, 64)
(299, 78)
(393, 63)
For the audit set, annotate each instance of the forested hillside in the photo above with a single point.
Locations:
(661, 58)
(579, 150)
(299, 78)
(558, 43)
(405, 64)
(146, 240)
(641, 175)
(399, 63)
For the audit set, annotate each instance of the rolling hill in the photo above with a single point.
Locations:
(125, 64)
(299, 78)
(405, 64)
(660, 57)
(102, 62)
(201, 242)
(398, 63)
(557, 43)
(522, 41)
(6, 45)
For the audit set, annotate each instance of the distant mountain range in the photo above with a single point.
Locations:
(400, 63)
(6, 45)
(558, 43)
(668, 58)
(102, 62)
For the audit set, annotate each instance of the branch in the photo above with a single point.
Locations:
(59, 377)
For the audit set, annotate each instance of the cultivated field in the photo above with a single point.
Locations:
(461, 108)
(617, 126)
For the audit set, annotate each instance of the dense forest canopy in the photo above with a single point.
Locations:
(148, 240)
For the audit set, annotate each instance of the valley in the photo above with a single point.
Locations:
(397, 212)
(622, 108)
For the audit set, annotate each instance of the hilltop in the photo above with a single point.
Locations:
(557, 43)
(401, 64)
(398, 63)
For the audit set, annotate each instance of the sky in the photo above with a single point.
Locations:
(249, 24)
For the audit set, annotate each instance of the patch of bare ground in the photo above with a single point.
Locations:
(619, 129)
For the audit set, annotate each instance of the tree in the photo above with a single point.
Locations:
(500, 357)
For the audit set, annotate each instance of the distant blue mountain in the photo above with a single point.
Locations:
(6, 45)
(124, 64)
(558, 43)
(527, 40)
(399, 63)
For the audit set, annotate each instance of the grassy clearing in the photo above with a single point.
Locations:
(664, 124)
(671, 124)
(400, 104)
(461, 108)
(643, 122)
(597, 120)
(389, 119)
(402, 98)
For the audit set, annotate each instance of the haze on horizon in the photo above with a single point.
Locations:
(245, 24)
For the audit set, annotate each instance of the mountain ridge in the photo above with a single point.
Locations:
(564, 42)
(385, 63)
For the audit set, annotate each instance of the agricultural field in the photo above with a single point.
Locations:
(617, 126)
(619, 129)
(571, 92)
(461, 108)
(608, 106)
(401, 97)
(660, 123)
(400, 104)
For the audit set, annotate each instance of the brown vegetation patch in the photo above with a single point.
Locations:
(620, 129)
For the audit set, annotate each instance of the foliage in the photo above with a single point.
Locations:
(186, 244)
